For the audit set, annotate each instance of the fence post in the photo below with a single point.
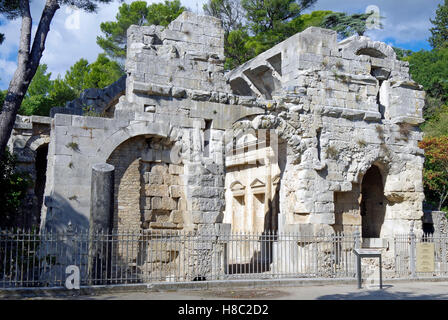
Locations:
(412, 250)
(357, 237)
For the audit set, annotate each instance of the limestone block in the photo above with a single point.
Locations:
(165, 203)
(197, 217)
(176, 216)
(205, 204)
(170, 180)
(351, 219)
(211, 217)
(303, 206)
(156, 190)
(322, 218)
(176, 191)
(324, 207)
(175, 169)
(159, 168)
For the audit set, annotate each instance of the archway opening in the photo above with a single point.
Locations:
(373, 203)
(39, 186)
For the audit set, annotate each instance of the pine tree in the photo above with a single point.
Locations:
(439, 33)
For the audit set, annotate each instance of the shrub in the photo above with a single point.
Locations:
(13, 187)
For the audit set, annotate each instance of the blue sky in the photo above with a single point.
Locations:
(406, 25)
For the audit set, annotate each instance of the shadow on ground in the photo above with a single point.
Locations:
(384, 294)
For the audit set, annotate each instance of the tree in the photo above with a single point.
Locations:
(402, 53)
(437, 124)
(75, 76)
(44, 93)
(29, 53)
(139, 13)
(14, 186)
(236, 50)
(36, 101)
(430, 69)
(230, 12)
(240, 46)
(98, 74)
(2, 96)
(102, 73)
(439, 33)
(266, 15)
(435, 173)
(346, 25)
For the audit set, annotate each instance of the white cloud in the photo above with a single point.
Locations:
(64, 46)
(404, 21)
(7, 69)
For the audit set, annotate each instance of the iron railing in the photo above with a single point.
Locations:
(29, 259)
(406, 255)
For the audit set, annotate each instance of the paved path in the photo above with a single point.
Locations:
(393, 291)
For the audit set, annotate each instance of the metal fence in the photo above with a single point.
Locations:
(29, 259)
(407, 256)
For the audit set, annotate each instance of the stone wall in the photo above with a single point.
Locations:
(188, 119)
(334, 111)
(342, 108)
(101, 101)
(29, 143)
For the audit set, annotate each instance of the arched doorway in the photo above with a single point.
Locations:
(39, 185)
(373, 203)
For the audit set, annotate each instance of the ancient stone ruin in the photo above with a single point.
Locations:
(313, 135)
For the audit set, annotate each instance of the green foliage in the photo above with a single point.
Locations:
(163, 13)
(75, 77)
(61, 92)
(229, 11)
(2, 97)
(44, 93)
(139, 13)
(264, 15)
(437, 125)
(236, 49)
(435, 173)
(37, 100)
(430, 69)
(241, 47)
(402, 53)
(10, 8)
(346, 25)
(102, 73)
(88, 111)
(439, 33)
(14, 186)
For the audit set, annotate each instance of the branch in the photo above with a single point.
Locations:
(51, 6)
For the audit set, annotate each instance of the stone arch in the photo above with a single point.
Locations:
(148, 188)
(38, 141)
(110, 143)
(373, 203)
(356, 46)
(36, 148)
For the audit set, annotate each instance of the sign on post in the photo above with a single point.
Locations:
(425, 257)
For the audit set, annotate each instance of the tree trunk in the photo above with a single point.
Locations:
(27, 64)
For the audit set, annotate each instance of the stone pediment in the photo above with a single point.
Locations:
(257, 184)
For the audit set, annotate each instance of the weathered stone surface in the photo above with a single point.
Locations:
(191, 141)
